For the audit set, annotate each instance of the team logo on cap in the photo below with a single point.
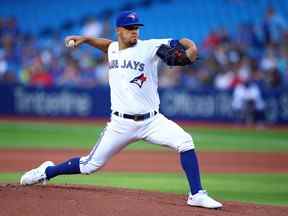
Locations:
(132, 16)
(139, 80)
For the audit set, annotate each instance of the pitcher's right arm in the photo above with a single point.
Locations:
(99, 43)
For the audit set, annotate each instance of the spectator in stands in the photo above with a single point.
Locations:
(70, 76)
(203, 78)
(268, 60)
(216, 38)
(224, 80)
(213, 40)
(39, 75)
(56, 70)
(220, 53)
(268, 64)
(256, 74)
(247, 37)
(282, 64)
(9, 60)
(243, 69)
(9, 27)
(248, 104)
(101, 71)
(107, 32)
(190, 79)
(170, 77)
(92, 28)
(272, 79)
(274, 26)
(3, 64)
(6, 75)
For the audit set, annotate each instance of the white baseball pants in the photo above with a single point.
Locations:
(119, 132)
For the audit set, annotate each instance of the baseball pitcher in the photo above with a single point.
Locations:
(133, 80)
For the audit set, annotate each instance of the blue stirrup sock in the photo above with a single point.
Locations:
(190, 165)
(68, 167)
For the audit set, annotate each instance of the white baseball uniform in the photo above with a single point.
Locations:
(133, 81)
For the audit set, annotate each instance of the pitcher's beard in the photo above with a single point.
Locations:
(133, 42)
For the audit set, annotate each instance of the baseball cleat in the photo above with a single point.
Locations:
(201, 199)
(36, 175)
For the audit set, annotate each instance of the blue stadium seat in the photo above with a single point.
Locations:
(194, 19)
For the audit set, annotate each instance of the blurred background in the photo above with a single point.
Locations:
(240, 77)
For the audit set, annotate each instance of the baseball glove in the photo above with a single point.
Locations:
(173, 56)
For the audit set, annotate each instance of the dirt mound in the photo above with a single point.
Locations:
(87, 200)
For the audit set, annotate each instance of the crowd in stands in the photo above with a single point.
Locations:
(44, 61)
(257, 53)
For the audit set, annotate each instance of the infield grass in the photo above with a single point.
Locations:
(253, 188)
(73, 135)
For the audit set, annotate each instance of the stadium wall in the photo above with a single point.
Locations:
(178, 104)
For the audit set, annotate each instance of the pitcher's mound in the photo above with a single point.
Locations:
(87, 200)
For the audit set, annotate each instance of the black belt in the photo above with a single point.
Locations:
(139, 117)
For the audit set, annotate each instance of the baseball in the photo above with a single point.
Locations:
(71, 43)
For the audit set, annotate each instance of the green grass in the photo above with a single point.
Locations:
(57, 135)
(255, 188)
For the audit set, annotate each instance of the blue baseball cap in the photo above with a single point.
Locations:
(128, 18)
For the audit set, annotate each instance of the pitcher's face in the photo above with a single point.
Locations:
(128, 34)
